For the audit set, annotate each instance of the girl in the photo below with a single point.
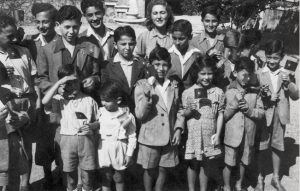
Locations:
(159, 21)
(277, 86)
(204, 106)
(157, 104)
(118, 137)
(209, 41)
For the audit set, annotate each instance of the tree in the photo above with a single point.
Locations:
(235, 11)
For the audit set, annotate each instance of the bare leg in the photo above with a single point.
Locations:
(161, 179)
(107, 177)
(87, 177)
(72, 179)
(239, 182)
(119, 180)
(191, 175)
(226, 176)
(203, 179)
(149, 177)
(276, 158)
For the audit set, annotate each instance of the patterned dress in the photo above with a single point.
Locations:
(202, 125)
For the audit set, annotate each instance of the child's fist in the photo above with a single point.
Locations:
(128, 161)
(274, 97)
(243, 105)
(286, 80)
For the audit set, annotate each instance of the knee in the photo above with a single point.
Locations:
(107, 177)
(152, 172)
(118, 177)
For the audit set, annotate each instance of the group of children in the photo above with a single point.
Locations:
(113, 109)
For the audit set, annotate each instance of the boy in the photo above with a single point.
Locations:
(44, 14)
(94, 11)
(77, 112)
(183, 55)
(123, 68)
(21, 71)
(243, 108)
(277, 86)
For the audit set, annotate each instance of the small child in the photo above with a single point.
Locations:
(157, 103)
(203, 105)
(118, 136)
(78, 114)
(123, 68)
(277, 86)
(183, 55)
(243, 108)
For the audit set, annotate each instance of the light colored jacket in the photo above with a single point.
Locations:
(158, 120)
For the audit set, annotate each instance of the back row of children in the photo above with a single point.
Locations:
(179, 88)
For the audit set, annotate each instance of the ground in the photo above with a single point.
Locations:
(177, 182)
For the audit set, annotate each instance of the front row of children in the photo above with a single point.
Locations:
(162, 113)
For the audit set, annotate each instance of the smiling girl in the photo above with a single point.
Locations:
(159, 21)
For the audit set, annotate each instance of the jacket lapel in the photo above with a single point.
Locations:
(81, 57)
(188, 64)
(160, 99)
(170, 94)
(117, 69)
(57, 60)
(134, 73)
(269, 81)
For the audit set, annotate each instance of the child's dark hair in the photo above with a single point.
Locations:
(85, 4)
(44, 7)
(110, 90)
(159, 53)
(274, 46)
(124, 31)
(244, 63)
(6, 20)
(67, 70)
(149, 23)
(68, 12)
(249, 38)
(211, 9)
(183, 26)
(200, 63)
(231, 39)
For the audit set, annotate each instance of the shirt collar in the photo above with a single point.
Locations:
(276, 72)
(59, 45)
(203, 36)
(41, 38)
(188, 53)
(90, 31)
(154, 33)
(123, 61)
(165, 84)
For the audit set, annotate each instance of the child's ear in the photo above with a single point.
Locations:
(119, 100)
(234, 73)
(115, 45)
(190, 37)
(57, 28)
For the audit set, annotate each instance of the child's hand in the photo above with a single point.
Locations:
(85, 129)
(286, 80)
(89, 82)
(265, 90)
(10, 71)
(66, 78)
(243, 105)
(128, 161)
(148, 95)
(239, 96)
(215, 139)
(177, 137)
(274, 97)
(3, 113)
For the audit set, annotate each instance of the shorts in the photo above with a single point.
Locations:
(273, 135)
(154, 156)
(3, 178)
(78, 150)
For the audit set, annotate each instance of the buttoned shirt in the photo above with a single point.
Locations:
(274, 77)
(163, 90)
(24, 68)
(148, 40)
(183, 58)
(126, 66)
(67, 58)
(102, 41)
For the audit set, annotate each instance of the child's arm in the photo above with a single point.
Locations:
(290, 87)
(231, 105)
(143, 100)
(257, 112)
(132, 140)
(52, 91)
(220, 120)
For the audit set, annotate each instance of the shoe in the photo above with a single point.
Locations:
(275, 182)
(260, 186)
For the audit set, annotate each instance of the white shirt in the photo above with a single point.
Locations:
(163, 90)
(183, 59)
(118, 125)
(126, 66)
(102, 41)
(42, 39)
(274, 78)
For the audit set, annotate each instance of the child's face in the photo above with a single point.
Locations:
(273, 60)
(111, 105)
(159, 15)
(70, 88)
(243, 77)
(205, 76)
(94, 16)
(7, 35)
(69, 29)
(181, 40)
(125, 47)
(161, 68)
(210, 23)
(44, 23)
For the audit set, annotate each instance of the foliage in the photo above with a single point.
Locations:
(238, 11)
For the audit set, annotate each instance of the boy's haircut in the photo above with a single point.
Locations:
(231, 39)
(183, 26)
(66, 70)
(110, 90)
(244, 63)
(200, 63)
(211, 9)
(124, 31)
(149, 23)
(85, 4)
(274, 46)
(249, 38)
(159, 53)
(68, 12)
(6, 20)
(44, 7)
